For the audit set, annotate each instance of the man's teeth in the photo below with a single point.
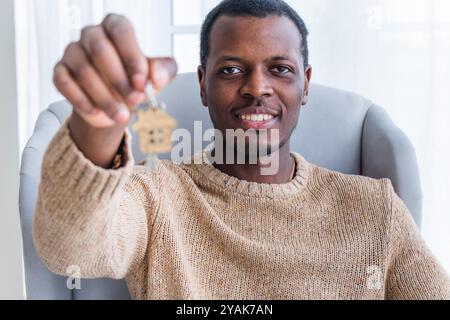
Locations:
(256, 117)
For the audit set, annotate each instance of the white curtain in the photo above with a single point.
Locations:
(395, 52)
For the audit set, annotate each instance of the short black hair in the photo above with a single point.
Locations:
(251, 8)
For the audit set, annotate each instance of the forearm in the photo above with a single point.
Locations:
(85, 214)
(99, 145)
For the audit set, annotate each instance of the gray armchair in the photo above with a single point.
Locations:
(337, 130)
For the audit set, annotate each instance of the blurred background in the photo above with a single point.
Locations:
(395, 52)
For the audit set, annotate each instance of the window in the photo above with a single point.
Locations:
(186, 20)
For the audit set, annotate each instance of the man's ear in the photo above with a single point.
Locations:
(201, 73)
(308, 75)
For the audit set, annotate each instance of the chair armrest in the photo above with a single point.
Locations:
(40, 282)
(388, 152)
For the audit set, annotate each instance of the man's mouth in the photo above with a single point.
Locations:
(256, 120)
(256, 117)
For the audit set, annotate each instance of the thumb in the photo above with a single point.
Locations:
(161, 71)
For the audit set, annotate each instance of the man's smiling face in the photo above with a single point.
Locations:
(255, 76)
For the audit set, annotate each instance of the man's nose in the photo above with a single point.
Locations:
(257, 86)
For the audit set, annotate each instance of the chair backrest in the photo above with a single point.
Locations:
(337, 130)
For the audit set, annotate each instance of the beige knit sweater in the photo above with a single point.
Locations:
(193, 232)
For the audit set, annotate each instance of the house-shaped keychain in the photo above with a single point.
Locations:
(154, 127)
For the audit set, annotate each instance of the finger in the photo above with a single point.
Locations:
(90, 81)
(121, 32)
(81, 103)
(162, 71)
(69, 88)
(108, 63)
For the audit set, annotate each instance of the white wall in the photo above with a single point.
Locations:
(11, 265)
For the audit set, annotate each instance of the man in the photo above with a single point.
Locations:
(214, 230)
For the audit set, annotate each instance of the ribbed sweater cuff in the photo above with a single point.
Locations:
(65, 164)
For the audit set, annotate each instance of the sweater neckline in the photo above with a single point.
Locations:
(209, 175)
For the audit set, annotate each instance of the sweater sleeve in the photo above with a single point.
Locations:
(88, 217)
(414, 272)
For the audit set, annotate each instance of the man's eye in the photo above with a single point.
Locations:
(282, 69)
(230, 70)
